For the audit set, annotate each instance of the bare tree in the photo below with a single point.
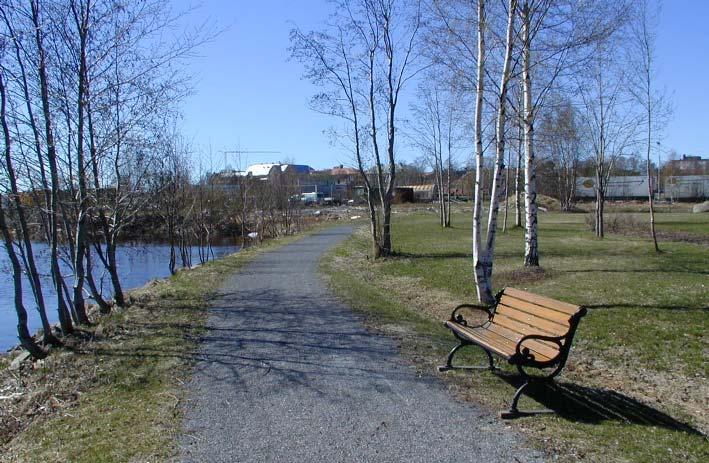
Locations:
(389, 29)
(561, 139)
(643, 88)
(435, 129)
(531, 251)
(332, 63)
(610, 122)
(37, 22)
(520, 138)
(26, 249)
(25, 338)
(364, 59)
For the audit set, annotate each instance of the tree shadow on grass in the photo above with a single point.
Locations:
(679, 308)
(637, 270)
(591, 405)
(432, 255)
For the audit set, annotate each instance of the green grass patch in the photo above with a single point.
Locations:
(640, 351)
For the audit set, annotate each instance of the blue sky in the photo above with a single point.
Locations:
(683, 59)
(248, 96)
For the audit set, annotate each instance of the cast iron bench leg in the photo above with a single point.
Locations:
(449, 360)
(515, 412)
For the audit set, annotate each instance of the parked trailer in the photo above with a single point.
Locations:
(679, 187)
(686, 187)
(616, 187)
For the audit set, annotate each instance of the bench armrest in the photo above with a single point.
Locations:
(522, 353)
(458, 318)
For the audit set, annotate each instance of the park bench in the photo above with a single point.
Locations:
(525, 329)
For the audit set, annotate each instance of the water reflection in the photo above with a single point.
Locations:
(137, 264)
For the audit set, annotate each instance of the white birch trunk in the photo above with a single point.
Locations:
(480, 280)
(531, 253)
(518, 190)
(497, 185)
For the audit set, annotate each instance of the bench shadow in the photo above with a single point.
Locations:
(591, 405)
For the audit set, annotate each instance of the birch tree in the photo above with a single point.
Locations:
(37, 22)
(531, 251)
(518, 185)
(479, 270)
(642, 53)
(610, 122)
(23, 333)
(554, 37)
(390, 31)
(436, 129)
(483, 262)
(377, 59)
(22, 228)
(561, 139)
(333, 63)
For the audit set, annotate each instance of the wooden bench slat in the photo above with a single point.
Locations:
(493, 338)
(538, 348)
(468, 333)
(534, 323)
(533, 309)
(522, 328)
(543, 301)
(501, 344)
(547, 348)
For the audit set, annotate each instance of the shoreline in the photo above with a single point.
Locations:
(121, 377)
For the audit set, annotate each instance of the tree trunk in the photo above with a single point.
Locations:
(104, 307)
(600, 203)
(62, 309)
(507, 191)
(649, 168)
(108, 235)
(482, 284)
(497, 190)
(518, 170)
(81, 18)
(448, 180)
(118, 295)
(23, 333)
(376, 249)
(33, 274)
(531, 252)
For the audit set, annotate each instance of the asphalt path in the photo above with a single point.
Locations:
(286, 373)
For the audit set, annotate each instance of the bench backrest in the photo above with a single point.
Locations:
(519, 313)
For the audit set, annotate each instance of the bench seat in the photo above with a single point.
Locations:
(504, 346)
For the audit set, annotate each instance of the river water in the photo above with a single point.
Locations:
(137, 264)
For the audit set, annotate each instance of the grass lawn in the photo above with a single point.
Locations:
(635, 386)
(115, 394)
